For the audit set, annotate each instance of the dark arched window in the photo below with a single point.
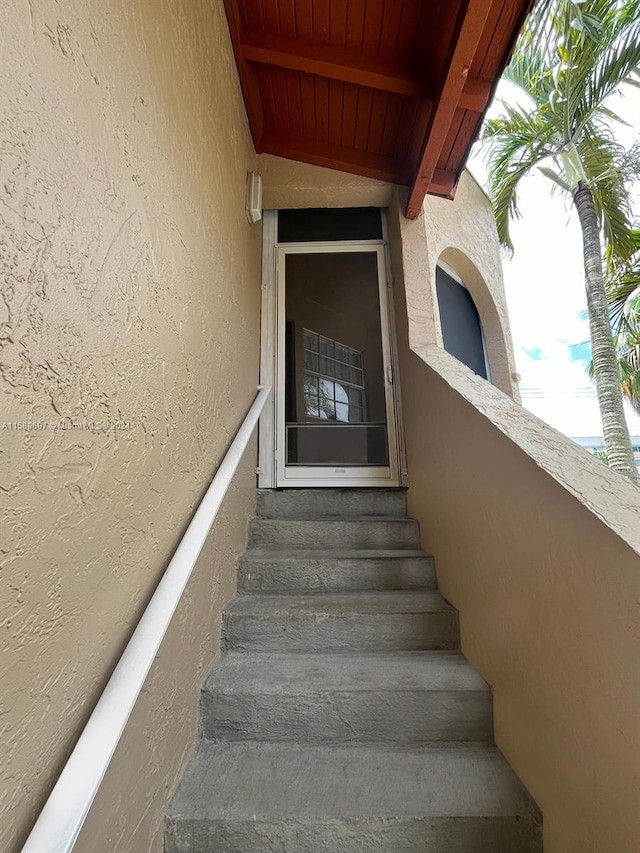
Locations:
(460, 322)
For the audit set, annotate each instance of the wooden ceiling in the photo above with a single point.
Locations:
(388, 89)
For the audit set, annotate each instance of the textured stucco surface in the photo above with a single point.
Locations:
(536, 544)
(130, 292)
(462, 234)
(288, 184)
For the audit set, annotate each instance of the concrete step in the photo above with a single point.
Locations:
(332, 570)
(264, 797)
(394, 698)
(369, 532)
(367, 621)
(294, 503)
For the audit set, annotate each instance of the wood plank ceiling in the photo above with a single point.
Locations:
(388, 89)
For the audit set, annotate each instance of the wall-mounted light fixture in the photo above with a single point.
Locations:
(253, 204)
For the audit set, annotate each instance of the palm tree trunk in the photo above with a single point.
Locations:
(605, 365)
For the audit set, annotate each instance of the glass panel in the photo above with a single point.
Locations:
(310, 341)
(342, 353)
(355, 396)
(311, 360)
(326, 347)
(326, 388)
(342, 371)
(341, 393)
(311, 384)
(334, 380)
(460, 321)
(311, 405)
(326, 366)
(327, 409)
(314, 224)
(342, 412)
(337, 444)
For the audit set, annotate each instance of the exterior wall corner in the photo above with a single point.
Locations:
(460, 233)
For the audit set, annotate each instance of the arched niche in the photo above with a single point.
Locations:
(497, 352)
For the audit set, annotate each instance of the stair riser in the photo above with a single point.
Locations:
(392, 717)
(331, 502)
(400, 835)
(362, 632)
(312, 753)
(349, 575)
(280, 533)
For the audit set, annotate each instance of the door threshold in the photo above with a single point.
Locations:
(337, 484)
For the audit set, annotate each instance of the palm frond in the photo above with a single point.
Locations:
(623, 289)
(605, 163)
(555, 177)
(518, 141)
(629, 368)
(628, 354)
(626, 288)
(531, 72)
(548, 18)
(606, 66)
(575, 53)
(632, 357)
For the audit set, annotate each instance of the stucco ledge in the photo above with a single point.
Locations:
(605, 493)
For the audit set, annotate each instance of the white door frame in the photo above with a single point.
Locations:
(268, 318)
(272, 471)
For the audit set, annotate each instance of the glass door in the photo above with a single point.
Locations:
(334, 395)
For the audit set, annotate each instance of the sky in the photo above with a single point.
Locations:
(544, 282)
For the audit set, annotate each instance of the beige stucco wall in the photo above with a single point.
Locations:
(536, 544)
(288, 184)
(463, 235)
(130, 282)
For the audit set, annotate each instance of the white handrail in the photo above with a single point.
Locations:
(64, 813)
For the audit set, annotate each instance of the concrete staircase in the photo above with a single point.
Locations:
(341, 717)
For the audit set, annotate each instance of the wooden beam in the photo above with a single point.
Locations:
(247, 75)
(448, 102)
(331, 62)
(475, 95)
(442, 183)
(338, 157)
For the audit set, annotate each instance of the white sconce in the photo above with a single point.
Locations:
(253, 204)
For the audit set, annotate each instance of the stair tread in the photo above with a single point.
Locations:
(338, 604)
(334, 554)
(284, 673)
(334, 519)
(226, 781)
(331, 502)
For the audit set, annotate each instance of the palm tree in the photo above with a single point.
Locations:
(569, 62)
